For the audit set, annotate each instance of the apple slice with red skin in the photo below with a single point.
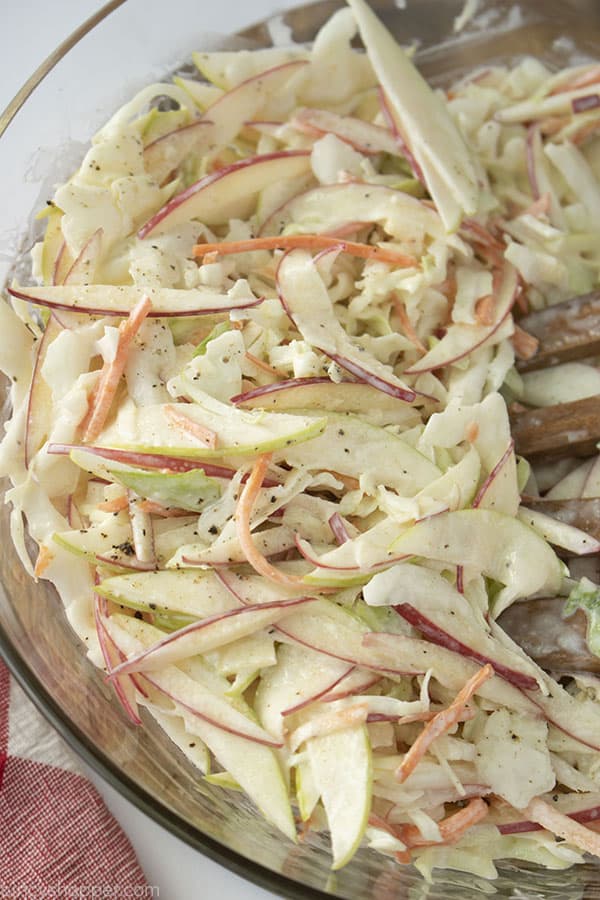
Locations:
(438, 636)
(209, 633)
(363, 136)
(220, 123)
(320, 694)
(583, 809)
(62, 264)
(334, 206)
(39, 406)
(119, 300)
(228, 193)
(123, 687)
(461, 340)
(355, 682)
(500, 490)
(401, 143)
(171, 464)
(306, 551)
(83, 268)
(163, 155)
(323, 394)
(213, 710)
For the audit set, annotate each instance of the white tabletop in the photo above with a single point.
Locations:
(178, 871)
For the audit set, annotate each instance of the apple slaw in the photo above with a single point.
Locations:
(260, 437)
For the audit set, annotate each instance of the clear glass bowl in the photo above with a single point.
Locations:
(150, 38)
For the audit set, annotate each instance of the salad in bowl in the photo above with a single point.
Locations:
(260, 437)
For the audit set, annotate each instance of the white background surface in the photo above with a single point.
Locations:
(31, 29)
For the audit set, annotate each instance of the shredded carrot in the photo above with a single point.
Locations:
(45, 557)
(451, 828)
(406, 324)
(484, 310)
(262, 365)
(242, 521)
(539, 207)
(472, 432)
(558, 823)
(583, 80)
(442, 723)
(205, 435)
(308, 242)
(157, 509)
(525, 344)
(481, 235)
(112, 372)
(114, 505)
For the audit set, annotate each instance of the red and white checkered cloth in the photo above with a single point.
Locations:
(57, 838)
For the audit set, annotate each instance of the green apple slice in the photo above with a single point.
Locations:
(196, 751)
(229, 192)
(248, 654)
(189, 490)
(350, 446)
(356, 558)
(186, 490)
(119, 300)
(208, 634)
(307, 792)
(188, 591)
(499, 546)
(111, 542)
(228, 68)
(321, 394)
(328, 628)
(345, 788)
(239, 432)
(423, 117)
(254, 767)
(327, 207)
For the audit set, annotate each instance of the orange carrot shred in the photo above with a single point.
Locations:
(472, 432)
(114, 505)
(157, 509)
(563, 826)
(442, 723)
(205, 435)
(525, 344)
(242, 521)
(406, 324)
(308, 242)
(260, 364)
(451, 828)
(539, 207)
(583, 80)
(45, 557)
(484, 310)
(112, 371)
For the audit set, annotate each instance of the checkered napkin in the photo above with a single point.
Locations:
(57, 838)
